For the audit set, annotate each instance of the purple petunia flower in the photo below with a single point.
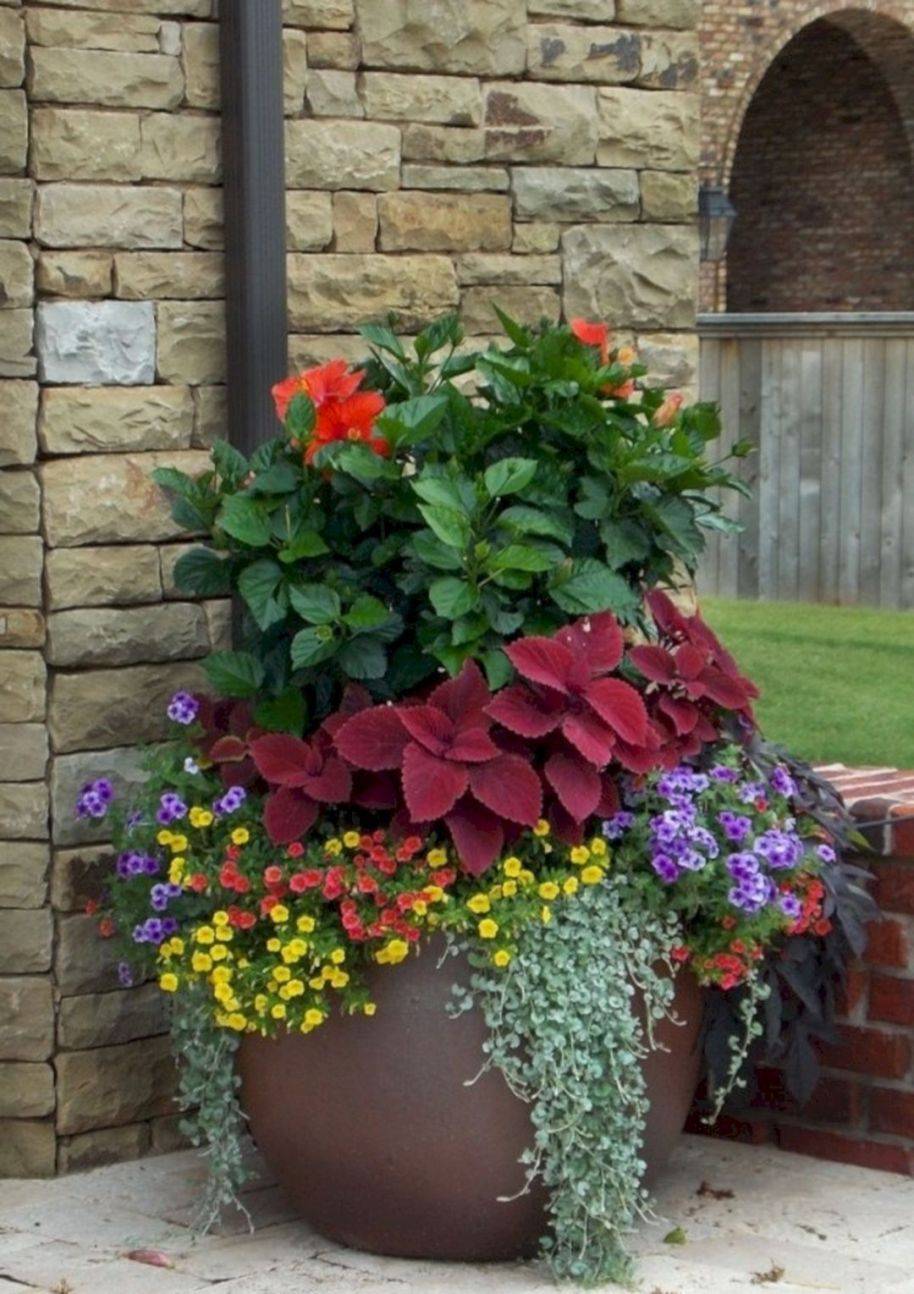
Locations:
(791, 906)
(665, 867)
(183, 708)
(230, 802)
(149, 932)
(94, 798)
(750, 792)
(125, 974)
(171, 808)
(826, 853)
(743, 866)
(736, 825)
(751, 893)
(779, 848)
(782, 782)
(721, 773)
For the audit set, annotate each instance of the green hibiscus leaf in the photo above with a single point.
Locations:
(587, 586)
(203, 572)
(234, 673)
(312, 646)
(451, 527)
(283, 713)
(316, 603)
(433, 552)
(412, 420)
(245, 520)
(533, 521)
(524, 557)
(301, 416)
(258, 584)
(363, 658)
(509, 476)
(452, 597)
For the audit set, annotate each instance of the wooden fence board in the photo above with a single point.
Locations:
(829, 401)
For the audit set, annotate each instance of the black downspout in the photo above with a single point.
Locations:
(255, 219)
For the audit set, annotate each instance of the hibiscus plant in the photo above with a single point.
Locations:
(424, 509)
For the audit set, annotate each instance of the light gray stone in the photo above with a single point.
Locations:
(113, 78)
(475, 37)
(106, 1019)
(15, 208)
(526, 304)
(26, 1017)
(648, 128)
(80, 420)
(17, 274)
(342, 155)
(669, 60)
(210, 416)
(83, 144)
(28, 1148)
(191, 341)
(462, 179)
(666, 196)
(482, 267)
(12, 48)
(309, 220)
(659, 13)
(331, 93)
(671, 358)
(100, 342)
(22, 684)
(530, 121)
(576, 10)
(20, 502)
(567, 193)
(14, 130)
(23, 752)
(94, 577)
(24, 868)
(103, 1146)
(126, 636)
(16, 359)
(640, 276)
(21, 560)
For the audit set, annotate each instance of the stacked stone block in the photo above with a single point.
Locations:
(440, 155)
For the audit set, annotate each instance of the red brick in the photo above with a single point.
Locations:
(847, 1150)
(835, 1100)
(892, 1111)
(852, 993)
(868, 1051)
(894, 890)
(892, 999)
(903, 835)
(886, 944)
(756, 1132)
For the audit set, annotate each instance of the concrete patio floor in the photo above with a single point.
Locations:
(751, 1218)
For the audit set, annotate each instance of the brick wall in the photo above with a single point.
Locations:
(862, 1111)
(784, 126)
(438, 155)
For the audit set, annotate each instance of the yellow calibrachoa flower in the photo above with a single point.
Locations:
(237, 1021)
(333, 847)
(219, 952)
(436, 857)
(592, 875)
(479, 903)
(163, 837)
(223, 993)
(221, 974)
(509, 889)
(274, 945)
(541, 828)
(178, 844)
(176, 869)
(393, 952)
(351, 839)
(545, 914)
(201, 963)
(225, 933)
(305, 925)
(487, 928)
(282, 973)
(570, 886)
(199, 817)
(280, 914)
(168, 982)
(548, 890)
(313, 1017)
(369, 1008)
(580, 854)
(278, 1011)
(599, 847)
(338, 956)
(512, 867)
(204, 935)
(220, 918)
(240, 836)
(502, 957)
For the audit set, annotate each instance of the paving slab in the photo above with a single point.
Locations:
(751, 1218)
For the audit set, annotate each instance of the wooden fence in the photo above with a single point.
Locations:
(829, 401)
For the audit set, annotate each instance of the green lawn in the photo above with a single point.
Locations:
(837, 683)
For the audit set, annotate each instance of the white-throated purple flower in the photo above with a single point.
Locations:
(826, 853)
(125, 974)
(782, 782)
(95, 798)
(183, 708)
(230, 802)
(171, 808)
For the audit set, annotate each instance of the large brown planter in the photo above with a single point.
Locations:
(379, 1144)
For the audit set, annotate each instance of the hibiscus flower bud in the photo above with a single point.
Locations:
(667, 412)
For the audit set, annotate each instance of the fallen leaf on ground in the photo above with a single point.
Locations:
(675, 1237)
(152, 1257)
(713, 1193)
(770, 1277)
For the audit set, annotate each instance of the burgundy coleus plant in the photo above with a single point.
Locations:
(228, 730)
(691, 678)
(304, 776)
(587, 718)
(450, 766)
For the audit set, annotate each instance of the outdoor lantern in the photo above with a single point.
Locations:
(716, 214)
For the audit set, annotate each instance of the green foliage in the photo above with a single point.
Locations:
(541, 496)
(567, 1033)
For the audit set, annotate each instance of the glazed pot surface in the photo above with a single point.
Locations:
(381, 1145)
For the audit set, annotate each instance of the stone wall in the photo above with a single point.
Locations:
(440, 154)
(816, 128)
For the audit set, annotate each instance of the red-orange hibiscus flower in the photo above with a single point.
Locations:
(593, 334)
(342, 411)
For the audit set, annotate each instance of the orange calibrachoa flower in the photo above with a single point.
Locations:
(593, 334)
(343, 412)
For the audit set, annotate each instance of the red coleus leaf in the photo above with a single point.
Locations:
(374, 739)
(478, 835)
(431, 786)
(610, 799)
(509, 787)
(597, 639)
(542, 660)
(690, 661)
(288, 814)
(472, 746)
(637, 759)
(518, 710)
(355, 699)
(577, 784)
(464, 697)
(667, 617)
(564, 826)
(655, 663)
(590, 737)
(242, 774)
(683, 715)
(332, 784)
(228, 750)
(726, 691)
(284, 760)
(619, 706)
(375, 790)
(429, 726)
